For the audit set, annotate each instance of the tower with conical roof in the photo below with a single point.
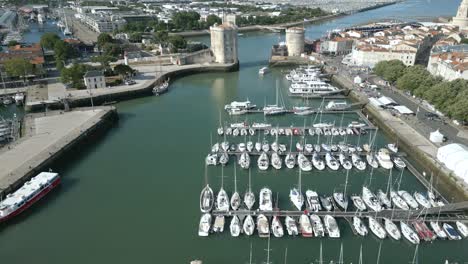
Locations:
(461, 19)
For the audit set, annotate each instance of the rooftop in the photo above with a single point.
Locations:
(90, 74)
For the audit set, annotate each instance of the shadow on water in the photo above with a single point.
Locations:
(252, 64)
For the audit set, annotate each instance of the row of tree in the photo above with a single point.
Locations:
(451, 98)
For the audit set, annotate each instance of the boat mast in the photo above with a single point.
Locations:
(277, 92)
(340, 261)
(346, 185)
(389, 180)
(360, 255)
(286, 255)
(415, 257)
(378, 253)
(250, 187)
(250, 257)
(321, 255)
(235, 179)
(268, 251)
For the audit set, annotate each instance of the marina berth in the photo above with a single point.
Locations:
(331, 226)
(359, 227)
(206, 199)
(235, 226)
(305, 226)
(317, 225)
(205, 225)
(291, 226)
(249, 225)
(263, 227)
(451, 232)
(376, 228)
(392, 229)
(409, 233)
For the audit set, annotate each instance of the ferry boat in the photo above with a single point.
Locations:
(266, 203)
(291, 226)
(263, 227)
(392, 229)
(206, 199)
(376, 228)
(316, 87)
(205, 225)
(32, 191)
(263, 71)
(331, 226)
(317, 226)
(359, 226)
(305, 226)
(249, 225)
(451, 232)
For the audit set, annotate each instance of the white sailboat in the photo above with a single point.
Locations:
(359, 226)
(249, 196)
(244, 160)
(235, 226)
(205, 225)
(263, 162)
(331, 161)
(249, 225)
(206, 199)
(422, 200)
(331, 226)
(263, 226)
(222, 199)
(398, 201)
(409, 233)
(275, 109)
(370, 199)
(408, 199)
(304, 163)
(235, 198)
(291, 226)
(266, 203)
(392, 229)
(277, 227)
(345, 162)
(358, 203)
(376, 228)
(296, 196)
(276, 161)
(383, 157)
(358, 162)
(318, 163)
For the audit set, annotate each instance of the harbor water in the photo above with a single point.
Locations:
(132, 196)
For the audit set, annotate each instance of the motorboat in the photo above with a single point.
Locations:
(249, 146)
(222, 201)
(331, 226)
(274, 110)
(358, 203)
(383, 199)
(451, 232)
(318, 163)
(237, 111)
(408, 199)
(392, 147)
(462, 228)
(263, 162)
(206, 199)
(409, 233)
(371, 200)
(19, 98)
(232, 147)
(244, 160)
(228, 131)
(358, 162)
(346, 163)
(331, 161)
(296, 198)
(263, 226)
(434, 200)
(263, 71)
(205, 225)
(290, 161)
(235, 201)
(258, 146)
(359, 226)
(341, 200)
(260, 125)
(440, 233)
(282, 148)
(311, 132)
(218, 226)
(224, 158)
(277, 227)
(372, 161)
(242, 147)
(392, 229)
(211, 159)
(422, 200)
(356, 124)
(398, 201)
(337, 105)
(240, 105)
(275, 146)
(304, 163)
(249, 225)
(291, 226)
(276, 161)
(235, 226)
(317, 148)
(313, 201)
(308, 148)
(376, 228)
(317, 226)
(326, 203)
(305, 226)
(399, 163)
(220, 131)
(383, 157)
(266, 202)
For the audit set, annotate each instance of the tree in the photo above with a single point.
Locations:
(123, 70)
(390, 70)
(12, 43)
(48, 40)
(412, 78)
(112, 50)
(63, 51)
(18, 67)
(213, 19)
(104, 60)
(74, 75)
(177, 41)
(104, 39)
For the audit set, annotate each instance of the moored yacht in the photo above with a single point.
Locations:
(359, 226)
(399, 163)
(235, 226)
(398, 201)
(313, 202)
(317, 226)
(422, 200)
(263, 162)
(276, 161)
(263, 226)
(345, 162)
(392, 229)
(376, 228)
(408, 199)
(371, 160)
(291, 226)
(341, 200)
(244, 160)
(224, 158)
(451, 232)
(277, 227)
(266, 203)
(218, 226)
(318, 162)
(371, 200)
(305, 226)
(331, 226)
(205, 225)
(239, 105)
(235, 201)
(434, 200)
(222, 201)
(383, 157)
(206, 199)
(331, 161)
(409, 233)
(358, 162)
(304, 163)
(296, 198)
(326, 203)
(290, 161)
(249, 225)
(440, 233)
(462, 229)
(211, 159)
(383, 199)
(358, 203)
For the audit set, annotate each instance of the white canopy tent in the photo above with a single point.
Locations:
(455, 158)
(384, 100)
(436, 136)
(403, 110)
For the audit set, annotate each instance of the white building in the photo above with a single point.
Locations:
(103, 22)
(461, 19)
(449, 62)
(337, 46)
(94, 80)
(369, 56)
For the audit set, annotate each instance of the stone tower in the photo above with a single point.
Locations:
(224, 43)
(295, 41)
(461, 20)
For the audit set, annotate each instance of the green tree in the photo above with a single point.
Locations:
(63, 51)
(18, 67)
(412, 78)
(48, 40)
(104, 60)
(390, 70)
(123, 70)
(74, 75)
(112, 50)
(213, 19)
(177, 41)
(12, 43)
(104, 39)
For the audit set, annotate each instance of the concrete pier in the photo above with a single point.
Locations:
(46, 137)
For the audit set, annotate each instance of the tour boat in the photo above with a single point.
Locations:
(409, 233)
(318, 163)
(398, 201)
(239, 105)
(266, 203)
(438, 230)
(341, 200)
(422, 200)
(276, 161)
(249, 225)
(451, 232)
(409, 199)
(261, 125)
(205, 225)
(290, 161)
(263, 71)
(372, 161)
(376, 228)
(326, 203)
(304, 163)
(383, 157)
(371, 200)
(359, 226)
(218, 226)
(206, 199)
(222, 201)
(31, 192)
(317, 226)
(313, 88)
(346, 163)
(224, 158)
(358, 203)
(211, 159)
(263, 227)
(392, 229)
(263, 162)
(331, 161)
(462, 228)
(291, 226)
(244, 160)
(357, 162)
(305, 226)
(383, 199)
(277, 227)
(331, 226)
(313, 202)
(399, 163)
(392, 147)
(235, 226)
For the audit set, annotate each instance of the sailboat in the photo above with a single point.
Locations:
(392, 228)
(205, 225)
(291, 226)
(266, 203)
(371, 200)
(296, 196)
(359, 226)
(263, 227)
(277, 227)
(235, 226)
(340, 198)
(249, 225)
(275, 109)
(376, 228)
(235, 198)
(222, 199)
(263, 162)
(249, 196)
(317, 161)
(206, 197)
(304, 163)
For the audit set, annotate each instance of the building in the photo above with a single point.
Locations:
(94, 79)
(102, 22)
(337, 46)
(224, 43)
(449, 62)
(33, 53)
(461, 19)
(369, 56)
(295, 41)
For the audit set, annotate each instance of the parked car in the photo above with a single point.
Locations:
(129, 82)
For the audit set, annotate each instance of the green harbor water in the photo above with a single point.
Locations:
(132, 196)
